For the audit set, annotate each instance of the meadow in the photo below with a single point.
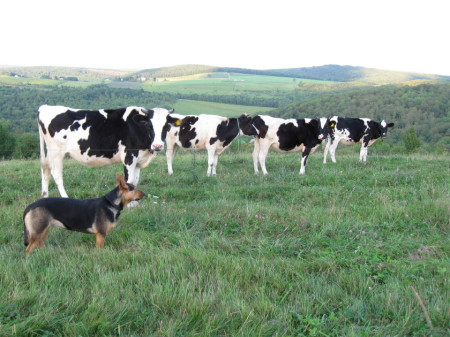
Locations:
(231, 84)
(189, 107)
(340, 251)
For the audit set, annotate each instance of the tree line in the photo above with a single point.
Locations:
(18, 105)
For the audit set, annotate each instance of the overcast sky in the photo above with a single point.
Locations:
(136, 34)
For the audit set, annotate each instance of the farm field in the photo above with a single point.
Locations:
(337, 252)
(235, 83)
(189, 107)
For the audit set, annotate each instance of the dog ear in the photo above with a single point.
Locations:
(121, 182)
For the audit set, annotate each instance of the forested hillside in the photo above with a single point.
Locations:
(425, 107)
(330, 72)
(18, 105)
(350, 73)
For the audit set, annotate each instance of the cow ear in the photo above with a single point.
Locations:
(141, 120)
(390, 125)
(332, 124)
(174, 121)
(148, 112)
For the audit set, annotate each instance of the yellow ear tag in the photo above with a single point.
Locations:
(178, 122)
(332, 125)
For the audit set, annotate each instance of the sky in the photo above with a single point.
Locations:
(411, 35)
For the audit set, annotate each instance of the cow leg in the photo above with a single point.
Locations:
(326, 148)
(364, 149)
(169, 156)
(56, 168)
(211, 155)
(129, 171)
(255, 156)
(216, 160)
(45, 177)
(304, 159)
(332, 149)
(263, 150)
(137, 174)
(363, 153)
(132, 173)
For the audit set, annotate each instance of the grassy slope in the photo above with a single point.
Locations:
(330, 253)
(237, 83)
(188, 107)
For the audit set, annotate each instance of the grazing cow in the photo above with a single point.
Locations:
(210, 132)
(351, 131)
(100, 137)
(287, 135)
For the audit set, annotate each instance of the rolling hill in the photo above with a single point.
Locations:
(336, 73)
(330, 72)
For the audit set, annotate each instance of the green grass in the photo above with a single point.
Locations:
(8, 80)
(331, 253)
(189, 107)
(236, 83)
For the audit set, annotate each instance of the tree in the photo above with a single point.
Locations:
(27, 146)
(411, 141)
(7, 143)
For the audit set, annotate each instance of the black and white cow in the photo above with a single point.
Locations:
(287, 135)
(210, 132)
(100, 137)
(351, 131)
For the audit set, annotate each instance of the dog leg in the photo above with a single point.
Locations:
(31, 245)
(99, 240)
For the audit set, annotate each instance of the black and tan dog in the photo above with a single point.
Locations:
(94, 216)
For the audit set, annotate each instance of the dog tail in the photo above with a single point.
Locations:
(25, 230)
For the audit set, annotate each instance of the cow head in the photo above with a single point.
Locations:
(384, 128)
(161, 121)
(325, 127)
(245, 125)
(142, 118)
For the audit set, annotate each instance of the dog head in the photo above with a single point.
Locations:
(128, 192)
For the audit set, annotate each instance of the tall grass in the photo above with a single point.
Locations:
(331, 253)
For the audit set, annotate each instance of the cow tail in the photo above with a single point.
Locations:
(44, 163)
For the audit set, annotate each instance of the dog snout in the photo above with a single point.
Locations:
(140, 195)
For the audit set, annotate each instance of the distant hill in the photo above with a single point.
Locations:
(336, 73)
(82, 74)
(175, 71)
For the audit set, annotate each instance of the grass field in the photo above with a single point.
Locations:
(337, 252)
(189, 107)
(235, 83)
